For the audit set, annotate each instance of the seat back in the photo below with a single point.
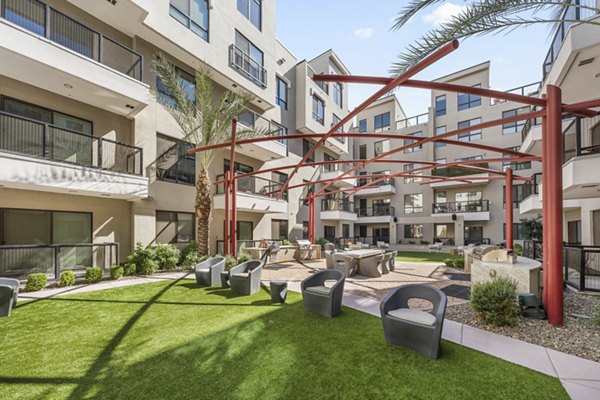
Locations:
(425, 292)
(329, 259)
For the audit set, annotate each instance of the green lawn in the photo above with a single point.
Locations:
(422, 256)
(173, 340)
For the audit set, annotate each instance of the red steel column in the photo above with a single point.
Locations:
(553, 234)
(544, 195)
(311, 217)
(509, 208)
(233, 217)
(227, 214)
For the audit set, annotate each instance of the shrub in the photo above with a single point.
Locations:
(449, 262)
(128, 269)
(518, 249)
(243, 258)
(141, 257)
(230, 262)
(458, 263)
(149, 267)
(35, 282)
(67, 278)
(321, 241)
(189, 256)
(285, 242)
(411, 242)
(116, 272)
(424, 241)
(167, 256)
(495, 302)
(93, 274)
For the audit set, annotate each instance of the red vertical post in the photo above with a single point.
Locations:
(311, 217)
(227, 213)
(544, 194)
(509, 208)
(553, 234)
(233, 216)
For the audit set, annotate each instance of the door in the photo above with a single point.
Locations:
(381, 235)
(474, 234)
(362, 208)
(346, 230)
(329, 233)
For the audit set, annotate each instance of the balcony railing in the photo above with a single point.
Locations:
(244, 64)
(532, 187)
(367, 181)
(254, 121)
(337, 205)
(255, 186)
(377, 211)
(459, 207)
(570, 14)
(342, 167)
(582, 266)
(450, 172)
(531, 89)
(412, 121)
(581, 138)
(36, 139)
(18, 261)
(52, 24)
(344, 242)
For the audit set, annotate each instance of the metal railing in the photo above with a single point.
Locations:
(18, 261)
(264, 127)
(531, 89)
(342, 167)
(413, 121)
(570, 14)
(367, 181)
(582, 267)
(41, 19)
(477, 242)
(337, 205)
(241, 244)
(451, 172)
(37, 139)
(532, 187)
(532, 249)
(458, 207)
(377, 211)
(255, 186)
(581, 137)
(243, 63)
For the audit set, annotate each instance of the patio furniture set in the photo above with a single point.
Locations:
(366, 262)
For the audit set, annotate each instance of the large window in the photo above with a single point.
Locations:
(515, 165)
(193, 14)
(412, 179)
(413, 231)
(413, 203)
(282, 93)
(382, 121)
(382, 146)
(466, 101)
(251, 61)
(442, 231)
(338, 91)
(440, 130)
(280, 130)
(362, 152)
(187, 81)
(173, 164)
(174, 227)
(279, 229)
(334, 121)
(329, 233)
(469, 196)
(574, 232)
(306, 146)
(471, 135)
(362, 125)
(413, 149)
(518, 195)
(440, 105)
(517, 126)
(318, 109)
(519, 231)
(252, 10)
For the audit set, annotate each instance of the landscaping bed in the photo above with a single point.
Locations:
(579, 337)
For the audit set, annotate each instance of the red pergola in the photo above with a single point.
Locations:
(549, 108)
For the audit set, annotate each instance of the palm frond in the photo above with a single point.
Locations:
(410, 10)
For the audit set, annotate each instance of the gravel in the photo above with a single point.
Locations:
(578, 336)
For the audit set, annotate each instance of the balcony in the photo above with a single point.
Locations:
(245, 65)
(332, 171)
(38, 41)
(385, 187)
(337, 210)
(532, 89)
(415, 120)
(253, 194)
(265, 151)
(375, 215)
(581, 157)
(45, 157)
(478, 210)
(455, 172)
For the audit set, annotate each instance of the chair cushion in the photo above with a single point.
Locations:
(412, 315)
(318, 289)
(241, 275)
(203, 270)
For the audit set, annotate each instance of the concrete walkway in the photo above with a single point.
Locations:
(580, 377)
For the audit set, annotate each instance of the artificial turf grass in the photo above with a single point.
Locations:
(173, 340)
(421, 256)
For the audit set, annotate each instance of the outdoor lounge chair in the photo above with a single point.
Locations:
(245, 278)
(345, 263)
(208, 273)
(392, 261)
(383, 245)
(437, 247)
(415, 329)
(329, 259)
(9, 292)
(320, 299)
(372, 266)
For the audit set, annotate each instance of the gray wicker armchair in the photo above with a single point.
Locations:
(415, 329)
(208, 273)
(320, 299)
(9, 292)
(245, 278)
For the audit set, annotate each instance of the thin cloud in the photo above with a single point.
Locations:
(443, 13)
(364, 33)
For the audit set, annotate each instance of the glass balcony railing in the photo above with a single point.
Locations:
(459, 207)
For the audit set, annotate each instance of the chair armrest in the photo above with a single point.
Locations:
(13, 283)
(237, 269)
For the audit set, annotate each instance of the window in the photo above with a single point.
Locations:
(468, 197)
(334, 121)
(387, 181)
(440, 130)
(440, 105)
(574, 232)
(329, 233)
(440, 197)
(470, 159)
(515, 165)
(249, 60)
(338, 91)
(306, 146)
(174, 227)
(173, 164)
(21, 226)
(412, 179)
(193, 14)
(362, 152)
(413, 231)
(382, 146)
(245, 230)
(517, 126)
(318, 110)
(345, 230)
(518, 195)
(305, 230)
(519, 231)
(440, 170)
(382, 121)
(466, 101)
(280, 130)
(279, 229)
(381, 207)
(281, 99)
(252, 10)
(237, 167)
(471, 135)
(362, 125)
(187, 81)
(442, 231)
(413, 203)
(415, 148)
(309, 189)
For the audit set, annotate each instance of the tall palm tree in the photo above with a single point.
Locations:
(481, 17)
(205, 119)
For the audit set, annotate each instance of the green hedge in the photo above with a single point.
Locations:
(93, 274)
(128, 269)
(67, 278)
(36, 282)
(496, 302)
(116, 272)
(166, 256)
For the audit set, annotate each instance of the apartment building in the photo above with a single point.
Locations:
(408, 210)
(91, 163)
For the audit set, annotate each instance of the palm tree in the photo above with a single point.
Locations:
(483, 17)
(205, 119)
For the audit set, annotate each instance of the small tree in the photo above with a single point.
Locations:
(533, 227)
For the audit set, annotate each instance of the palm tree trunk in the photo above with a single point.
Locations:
(203, 208)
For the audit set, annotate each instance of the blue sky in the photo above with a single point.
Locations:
(361, 36)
